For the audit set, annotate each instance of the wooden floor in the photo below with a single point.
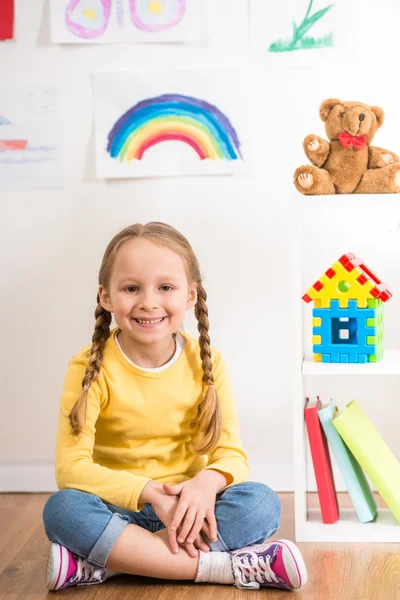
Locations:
(335, 571)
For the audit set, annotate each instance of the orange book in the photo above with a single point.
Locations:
(322, 463)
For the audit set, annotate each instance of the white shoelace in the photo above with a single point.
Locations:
(259, 570)
(86, 572)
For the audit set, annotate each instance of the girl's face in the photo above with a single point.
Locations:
(148, 292)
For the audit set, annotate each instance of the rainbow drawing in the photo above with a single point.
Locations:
(174, 117)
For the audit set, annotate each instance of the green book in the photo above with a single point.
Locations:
(353, 475)
(371, 451)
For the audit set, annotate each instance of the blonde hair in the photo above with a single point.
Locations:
(208, 422)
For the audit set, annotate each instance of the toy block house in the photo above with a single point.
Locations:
(348, 313)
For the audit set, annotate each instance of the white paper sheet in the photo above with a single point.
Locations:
(30, 137)
(301, 33)
(108, 21)
(188, 122)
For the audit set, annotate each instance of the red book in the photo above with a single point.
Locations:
(6, 19)
(322, 463)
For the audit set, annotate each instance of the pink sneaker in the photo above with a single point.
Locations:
(65, 569)
(278, 563)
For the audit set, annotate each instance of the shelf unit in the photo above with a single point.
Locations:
(390, 365)
(308, 523)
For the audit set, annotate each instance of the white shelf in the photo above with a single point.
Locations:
(348, 528)
(389, 365)
(308, 523)
(345, 201)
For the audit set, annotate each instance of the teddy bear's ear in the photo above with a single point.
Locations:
(326, 108)
(380, 115)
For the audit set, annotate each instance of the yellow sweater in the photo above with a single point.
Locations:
(138, 426)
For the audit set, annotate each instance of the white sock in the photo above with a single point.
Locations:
(214, 567)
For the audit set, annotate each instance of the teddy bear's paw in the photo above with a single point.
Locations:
(313, 145)
(397, 179)
(387, 158)
(305, 180)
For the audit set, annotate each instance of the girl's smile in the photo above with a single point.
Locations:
(150, 323)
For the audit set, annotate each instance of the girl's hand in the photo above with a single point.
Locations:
(196, 503)
(165, 505)
(198, 544)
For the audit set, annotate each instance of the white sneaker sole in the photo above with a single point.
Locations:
(57, 565)
(294, 564)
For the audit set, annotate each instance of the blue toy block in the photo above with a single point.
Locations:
(362, 358)
(332, 347)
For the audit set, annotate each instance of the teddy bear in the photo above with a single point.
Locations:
(347, 164)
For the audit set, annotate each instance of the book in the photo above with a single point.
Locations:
(372, 452)
(322, 463)
(353, 475)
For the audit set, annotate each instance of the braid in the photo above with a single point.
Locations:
(201, 314)
(208, 422)
(101, 334)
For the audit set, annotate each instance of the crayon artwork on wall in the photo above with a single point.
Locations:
(113, 21)
(172, 123)
(6, 19)
(174, 117)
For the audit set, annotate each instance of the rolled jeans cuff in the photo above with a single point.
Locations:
(99, 553)
(218, 546)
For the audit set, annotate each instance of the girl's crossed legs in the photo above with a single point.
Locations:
(137, 542)
(246, 513)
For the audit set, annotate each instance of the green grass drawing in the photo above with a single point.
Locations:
(299, 41)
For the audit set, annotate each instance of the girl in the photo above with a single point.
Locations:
(149, 461)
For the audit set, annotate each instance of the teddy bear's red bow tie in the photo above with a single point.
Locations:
(348, 140)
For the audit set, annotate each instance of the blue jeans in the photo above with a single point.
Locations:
(246, 513)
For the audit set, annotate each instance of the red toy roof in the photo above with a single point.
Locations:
(350, 261)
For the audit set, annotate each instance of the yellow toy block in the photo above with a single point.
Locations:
(332, 291)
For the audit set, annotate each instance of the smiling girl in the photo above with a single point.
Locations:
(149, 461)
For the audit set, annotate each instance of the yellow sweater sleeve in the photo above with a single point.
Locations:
(229, 456)
(74, 454)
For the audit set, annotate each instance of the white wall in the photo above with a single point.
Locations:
(52, 242)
